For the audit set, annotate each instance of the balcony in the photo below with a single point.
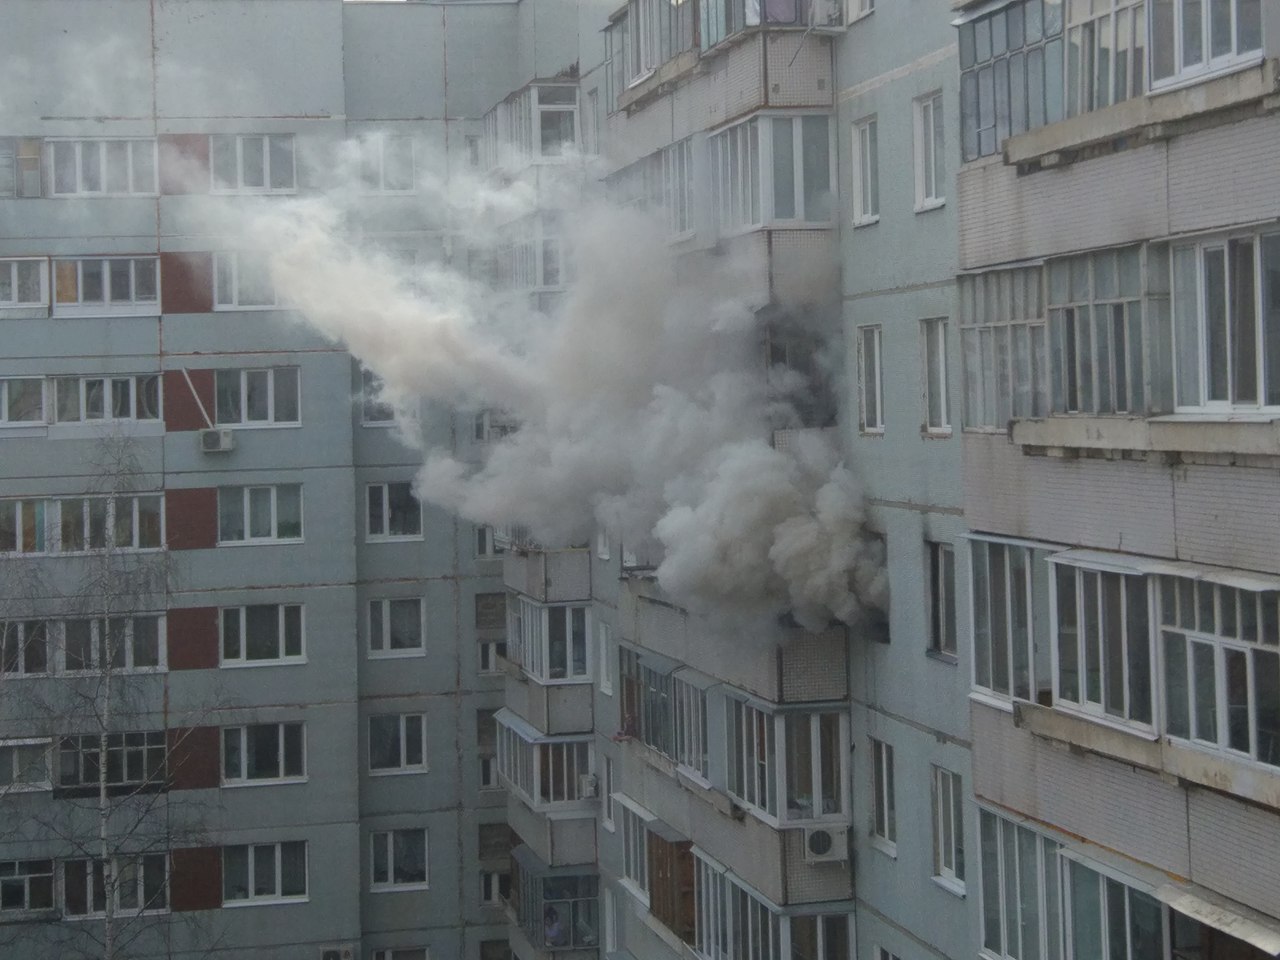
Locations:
(554, 911)
(547, 576)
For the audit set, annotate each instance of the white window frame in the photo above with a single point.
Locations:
(242, 778)
(491, 886)
(539, 108)
(82, 148)
(864, 180)
(246, 508)
(487, 547)
(930, 152)
(106, 386)
(884, 814)
(1035, 574)
(58, 633)
(226, 265)
(44, 528)
(609, 919)
(678, 188)
(942, 611)
(1046, 897)
(635, 848)
(405, 722)
(273, 376)
(9, 758)
(522, 755)
(6, 403)
(689, 728)
(1209, 65)
(113, 885)
(252, 899)
(374, 163)
(382, 491)
(15, 633)
(937, 387)
(108, 520)
(948, 830)
(13, 872)
(607, 809)
(143, 759)
(217, 186)
(11, 266)
(386, 838)
(489, 772)
(490, 652)
(240, 615)
(529, 639)
(871, 378)
(380, 607)
(604, 659)
(80, 307)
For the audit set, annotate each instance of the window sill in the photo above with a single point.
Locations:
(888, 847)
(405, 772)
(251, 664)
(397, 654)
(866, 221)
(275, 782)
(396, 538)
(294, 425)
(941, 656)
(9, 431)
(1212, 432)
(953, 887)
(1174, 84)
(261, 543)
(936, 433)
(399, 887)
(992, 700)
(246, 307)
(860, 16)
(929, 205)
(378, 424)
(631, 887)
(265, 902)
(871, 433)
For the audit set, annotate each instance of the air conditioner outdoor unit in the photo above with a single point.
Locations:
(587, 786)
(344, 952)
(217, 440)
(826, 844)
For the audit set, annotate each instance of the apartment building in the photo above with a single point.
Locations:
(248, 679)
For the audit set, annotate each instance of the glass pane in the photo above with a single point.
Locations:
(264, 870)
(120, 280)
(1177, 719)
(1236, 665)
(235, 873)
(1138, 649)
(251, 162)
(289, 511)
(1266, 705)
(1244, 321)
(816, 171)
(222, 160)
(1086, 912)
(293, 869)
(257, 399)
(1192, 33)
(227, 396)
(281, 160)
(260, 512)
(1068, 639)
(262, 628)
(406, 624)
(1205, 684)
(784, 172)
(286, 395)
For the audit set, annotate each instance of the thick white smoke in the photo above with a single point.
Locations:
(642, 397)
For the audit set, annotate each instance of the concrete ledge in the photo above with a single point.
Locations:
(1252, 436)
(667, 73)
(1080, 732)
(1148, 111)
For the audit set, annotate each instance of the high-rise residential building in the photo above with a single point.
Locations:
(258, 701)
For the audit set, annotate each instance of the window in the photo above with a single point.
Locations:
(489, 426)
(262, 633)
(1106, 54)
(557, 911)
(25, 526)
(263, 751)
(373, 409)
(135, 885)
(23, 283)
(489, 772)
(606, 816)
(397, 743)
(752, 756)
(735, 173)
(24, 647)
(1227, 323)
(732, 921)
(395, 627)
(677, 183)
(1002, 336)
(942, 598)
(20, 167)
(635, 851)
(937, 410)
(387, 164)
(490, 652)
(1221, 649)
(866, 172)
(1096, 333)
(930, 153)
(25, 885)
(1021, 899)
(602, 544)
(860, 8)
(1102, 639)
(24, 765)
(871, 389)
(1112, 921)
(104, 523)
(241, 280)
(252, 163)
(690, 722)
(885, 823)
(393, 511)
(801, 154)
(948, 828)
(1009, 581)
(647, 704)
(610, 921)
(815, 744)
(21, 401)
(102, 167)
(133, 760)
(1011, 74)
(88, 399)
(487, 747)
(246, 397)
(119, 283)
(264, 871)
(260, 514)
(117, 643)
(1196, 38)
(549, 643)
(495, 886)
(556, 111)
(399, 859)
(542, 769)
(486, 546)
(604, 657)
(491, 629)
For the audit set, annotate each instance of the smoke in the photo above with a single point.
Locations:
(643, 402)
